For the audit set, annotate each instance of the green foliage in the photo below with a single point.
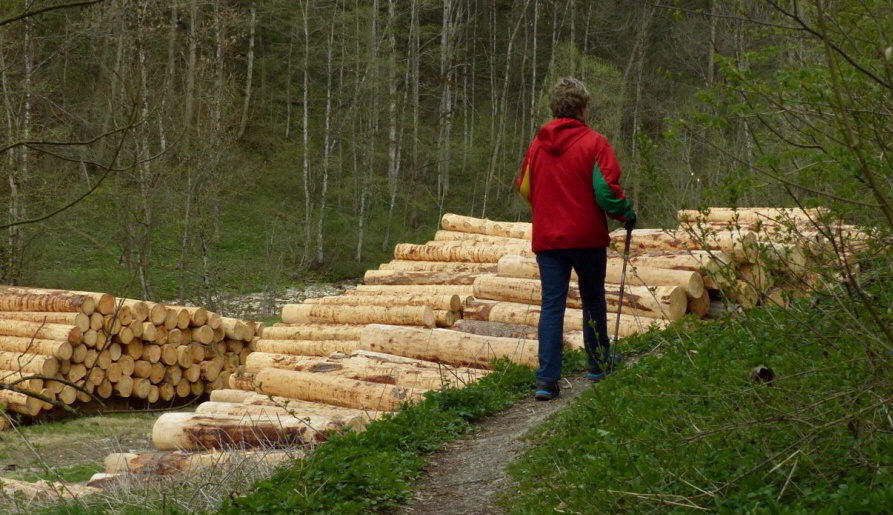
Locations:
(689, 428)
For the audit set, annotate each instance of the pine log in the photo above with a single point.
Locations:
(403, 277)
(529, 315)
(167, 463)
(459, 223)
(337, 391)
(716, 267)
(445, 318)
(743, 294)
(666, 302)
(59, 332)
(473, 254)
(447, 302)
(29, 363)
(751, 215)
(203, 334)
(755, 275)
(151, 353)
(80, 320)
(401, 315)
(18, 344)
(31, 299)
(444, 235)
(348, 417)
(169, 354)
(434, 289)
(236, 329)
(124, 386)
(446, 346)
(183, 388)
(184, 431)
(138, 308)
(307, 347)
(526, 268)
(734, 244)
(363, 368)
(124, 314)
(24, 381)
(44, 490)
(173, 374)
(192, 373)
(198, 316)
(439, 266)
(242, 381)
(229, 396)
(166, 391)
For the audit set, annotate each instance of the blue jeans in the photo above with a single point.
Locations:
(555, 273)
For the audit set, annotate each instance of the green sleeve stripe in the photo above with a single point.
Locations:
(604, 196)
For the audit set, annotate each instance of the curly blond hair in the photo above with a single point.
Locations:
(568, 97)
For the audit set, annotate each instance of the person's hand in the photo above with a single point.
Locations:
(630, 223)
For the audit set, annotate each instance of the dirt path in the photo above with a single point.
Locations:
(468, 476)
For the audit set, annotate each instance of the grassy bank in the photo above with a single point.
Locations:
(691, 429)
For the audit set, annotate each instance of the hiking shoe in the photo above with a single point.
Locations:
(546, 391)
(597, 374)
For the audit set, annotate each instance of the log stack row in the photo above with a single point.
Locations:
(65, 347)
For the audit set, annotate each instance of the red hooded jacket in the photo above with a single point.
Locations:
(570, 177)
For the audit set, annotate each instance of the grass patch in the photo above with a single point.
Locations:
(688, 429)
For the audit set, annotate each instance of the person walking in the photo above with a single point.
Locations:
(570, 178)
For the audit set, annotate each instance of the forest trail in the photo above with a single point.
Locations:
(468, 476)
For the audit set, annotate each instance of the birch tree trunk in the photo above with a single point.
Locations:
(306, 130)
(327, 146)
(393, 165)
(250, 72)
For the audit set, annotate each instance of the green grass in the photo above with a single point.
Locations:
(687, 429)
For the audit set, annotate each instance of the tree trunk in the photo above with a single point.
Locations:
(435, 266)
(310, 313)
(525, 314)
(308, 347)
(435, 289)
(243, 124)
(326, 149)
(397, 277)
(313, 332)
(438, 302)
(393, 164)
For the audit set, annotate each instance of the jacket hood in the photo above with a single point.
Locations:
(560, 134)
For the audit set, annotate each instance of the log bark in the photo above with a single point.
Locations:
(80, 320)
(734, 244)
(365, 368)
(525, 314)
(314, 332)
(307, 347)
(190, 431)
(60, 332)
(29, 363)
(469, 224)
(434, 289)
(444, 235)
(445, 346)
(54, 348)
(167, 463)
(17, 300)
(413, 277)
(666, 302)
(526, 268)
(472, 254)
(447, 302)
(405, 315)
(438, 266)
(338, 391)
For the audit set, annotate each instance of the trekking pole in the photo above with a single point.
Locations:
(629, 237)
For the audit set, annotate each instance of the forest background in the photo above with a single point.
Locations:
(198, 148)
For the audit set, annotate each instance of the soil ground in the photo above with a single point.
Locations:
(468, 476)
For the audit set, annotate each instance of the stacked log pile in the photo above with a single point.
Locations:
(59, 348)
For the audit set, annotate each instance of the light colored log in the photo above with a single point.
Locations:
(366, 368)
(110, 325)
(183, 388)
(445, 302)
(236, 329)
(104, 359)
(526, 268)
(446, 346)
(229, 395)
(242, 381)
(734, 244)
(136, 327)
(192, 373)
(166, 391)
(124, 386)
(157, 373)
(68, 395)
(113, 372)
(444, 235)
(139, 309)
(58, 332)
(80, 320)
(173, 374)
(166, 463)
(29, 363)
(115, 351)
(192, 431)
(210, 370)
(150, 334)
(435, 289)
(198, 316)
(667, 302)
(750, 215)
(203, 334)
(171, 318)
(757, 276)
(338, 391)
(161, 333)
(445, 318)
(142, 368)
(472, 254)
(716, 267)
(401, 315)
(135, 349)
(439, 266)
(141, 388)
(90, 358)
(169, 354)
(45, 490)
(124, 315)
(529, 315)
(743, 294)
(285, 407)
(31, 299)
(19, 344)
(307, 347)
(403, 277)
(452, 222)
(151, 353)
(105, 389)
(24, 381)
